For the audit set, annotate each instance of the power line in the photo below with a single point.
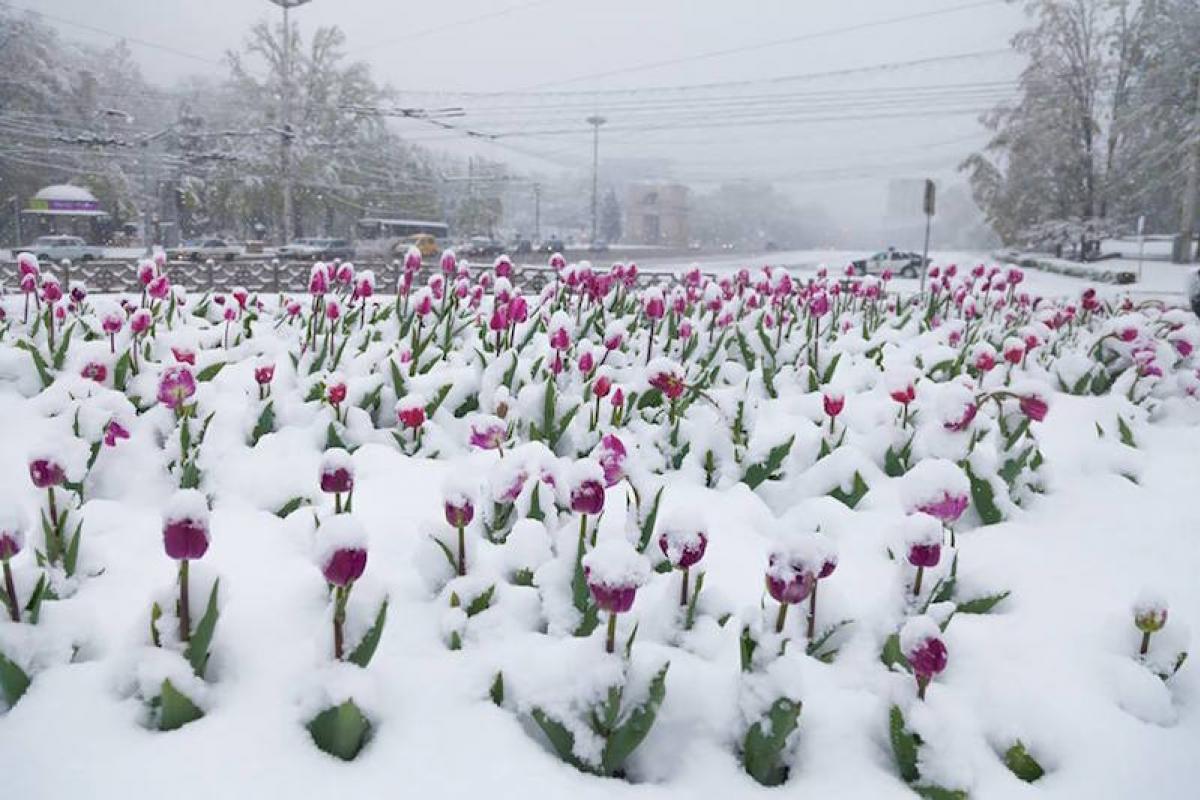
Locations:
(414, 36)
(803, 76)
(770, 43)
(131, 39)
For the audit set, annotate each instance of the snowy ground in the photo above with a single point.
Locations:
(1052, 666)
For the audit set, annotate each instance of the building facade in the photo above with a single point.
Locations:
(656, 214)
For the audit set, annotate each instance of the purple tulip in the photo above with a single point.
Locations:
(615, 599)
(683, 549)
(345, 565)
(175, 387)
(588, 497)
(185, 538)
(927, 660)
(924, 555)
(459, 513)
(1034, 407)
(948, 509)
(45, 473)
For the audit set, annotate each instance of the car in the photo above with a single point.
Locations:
(898, 262)
(481, 246)
(204, 249)
(317, 249)
(56, 248)
(552, 245)
(520, 246)
(425, 243)
(598, 246)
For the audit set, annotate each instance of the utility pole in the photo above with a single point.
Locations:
(537, 212)
(16, 206)
(930, 205)
(595, 121)
(285, 102)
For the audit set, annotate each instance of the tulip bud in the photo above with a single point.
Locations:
(1149, 616)
(185, 525)
(921, 643)
(337, 472)
(614, 571)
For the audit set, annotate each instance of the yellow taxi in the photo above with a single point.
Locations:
(426, 243)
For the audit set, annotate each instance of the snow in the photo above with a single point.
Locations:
(931, 480)
(1054, 664)
(339, 532)
(917, 631)
(187, 504)
(616, 563)
(920, 529)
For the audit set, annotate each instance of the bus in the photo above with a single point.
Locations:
(381, 235)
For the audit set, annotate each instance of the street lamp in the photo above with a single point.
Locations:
(285, 155)
(595, 121)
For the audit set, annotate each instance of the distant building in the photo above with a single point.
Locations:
(63, 209)
(656, 214)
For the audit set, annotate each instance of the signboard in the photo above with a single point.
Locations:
(41, 204)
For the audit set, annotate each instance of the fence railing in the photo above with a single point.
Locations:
(269, 276)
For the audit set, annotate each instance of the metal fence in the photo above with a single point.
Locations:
(269, 276)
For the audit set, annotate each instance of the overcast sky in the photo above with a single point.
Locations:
(576, 46)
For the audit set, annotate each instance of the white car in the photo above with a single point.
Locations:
(204, 249)
(906, 265)
(56, 248)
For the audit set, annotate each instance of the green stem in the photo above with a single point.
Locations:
(781, 617)
(1145, 634)
(339, 620)
(917, 585)
(610, 643)
(812, 610)
(462, 552)
(185, 616)
(683, 589)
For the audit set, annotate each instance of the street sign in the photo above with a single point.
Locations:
(930, 206)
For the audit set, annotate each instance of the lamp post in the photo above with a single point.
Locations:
(595, 121)
(285, 103)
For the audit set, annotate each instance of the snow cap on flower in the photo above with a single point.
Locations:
(683, 538)
(56, 458)
(666, 376)
(458, 499)
(1150, 611)
(793, 566)
(337, 471)
(139, 321)
(615, 570)
(938, 487)
(488, 432)
(954, 406)
(921, 643)
(341, 549)
(185, 525)
(507, 479)
(176, 386)
(13, 524)
(585, 479)
(410, 411)
(611, 455)
(922, 536)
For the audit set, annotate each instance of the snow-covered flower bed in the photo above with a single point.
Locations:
(768, 529)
